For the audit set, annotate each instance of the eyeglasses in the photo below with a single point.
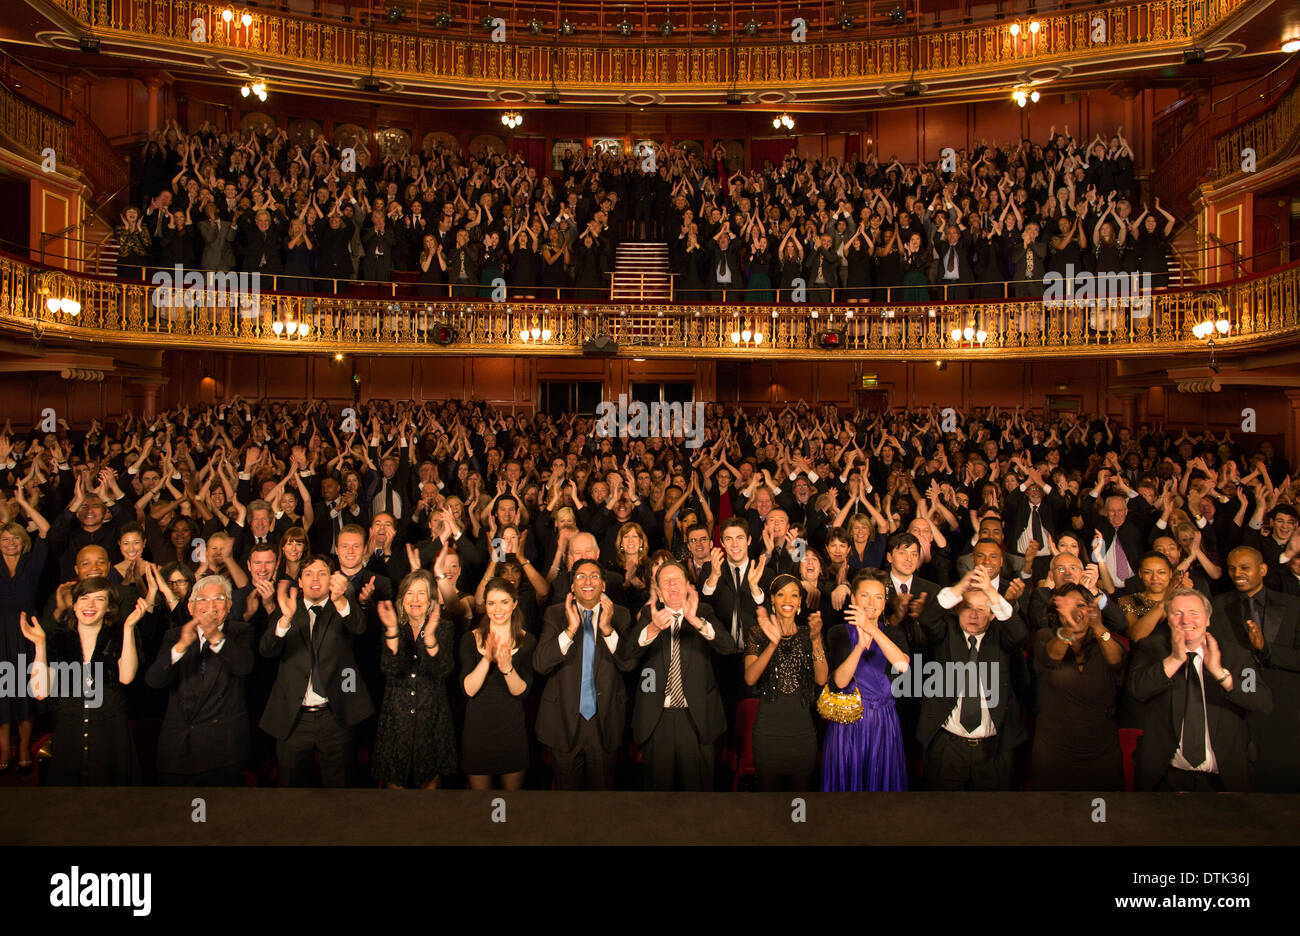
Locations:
(178, 582)
(220, 600)
(587, 577)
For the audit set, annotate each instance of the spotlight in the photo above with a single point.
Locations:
(1291, 45)
(395, 15)
(846, 22)
(897, 16)
(534, 27)
(338, 356)
(486, 22)
(567, 28)
(751, 28)
(89, 44)
(443, 21)
(714, 27)
(624, 28)
(1193, 56)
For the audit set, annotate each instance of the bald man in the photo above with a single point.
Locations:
(584, 546)
(1067, 569)
(1265, 623)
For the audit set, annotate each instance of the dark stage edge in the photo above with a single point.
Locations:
(153, 816)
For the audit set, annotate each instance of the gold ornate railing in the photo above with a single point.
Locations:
(536, 62)
(1272, 132)
(29, 129)
(1260, 310)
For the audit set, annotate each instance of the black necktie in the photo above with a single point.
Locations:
(388, 498)
(317, 681)
(204, 653)
(902, 588)
(1194, 716)
(971, 716)
(1035, 524)
(735, 606)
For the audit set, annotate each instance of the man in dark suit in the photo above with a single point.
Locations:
(1265, 624)
(263, 241)
(724, 268)
(678, 712)
(732, 585)
(1118, 543)
(1067, 569)
(204, 739)
(953, 271)
(584, 704)
(970, 731)
(1033, 513)
(378, 241)
(319, 695)
(1194, 696)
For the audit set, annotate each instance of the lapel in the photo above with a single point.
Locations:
(312, 636)
(1273, 616)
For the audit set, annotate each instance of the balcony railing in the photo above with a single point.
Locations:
(606, 60)
(1258, 310)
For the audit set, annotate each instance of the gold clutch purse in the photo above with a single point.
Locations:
(842, 707)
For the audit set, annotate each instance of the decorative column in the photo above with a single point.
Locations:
(154, 84)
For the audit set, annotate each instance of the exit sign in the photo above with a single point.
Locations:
(870, 381)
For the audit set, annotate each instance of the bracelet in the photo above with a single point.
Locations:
(392, 635)
(511, 673)
(1065, 640)
(1227, 674)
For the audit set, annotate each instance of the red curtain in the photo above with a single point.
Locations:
(774, 150)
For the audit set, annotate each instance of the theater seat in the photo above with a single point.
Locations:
(746, 712)
(1128, 740)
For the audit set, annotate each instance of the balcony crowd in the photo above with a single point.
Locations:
(444, 593)
(978, 223)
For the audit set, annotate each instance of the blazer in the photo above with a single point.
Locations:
(1018, 514)
(206, 723)
(1161, 701)
(1002, 646)
(218, 245)
(333, 641)
(704, 702)
(558, 716)
(1281, 627)
(724, 599)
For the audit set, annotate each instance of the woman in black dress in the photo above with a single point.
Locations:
(415, 742)
(1080, 670)
(785, 659)
(496, 660)
(857, 256)
(523, 261)
(21, 560)
(92, 743)
(555, 257)
(432, 267)
(1151, 245)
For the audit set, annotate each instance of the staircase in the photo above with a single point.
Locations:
(641, 274)
(100, 249)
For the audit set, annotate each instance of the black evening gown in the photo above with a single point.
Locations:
(18, 594)
(416, 740)
(92, 742)
(785, 735)
(494, 740)
(1076, 734)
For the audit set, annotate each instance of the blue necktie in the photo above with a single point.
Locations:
(587, 700)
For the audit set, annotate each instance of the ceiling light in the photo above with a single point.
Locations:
(714, 27)
(624, 28)
(1033, 96)
(667, 28)
(1291, 45)
(751, 28)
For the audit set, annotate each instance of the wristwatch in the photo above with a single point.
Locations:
(1105, 635)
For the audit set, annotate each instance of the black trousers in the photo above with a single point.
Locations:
(674, 754)
(1189, 781)
(316, 733)
(231, 775)
(953, 763)
(587, 766)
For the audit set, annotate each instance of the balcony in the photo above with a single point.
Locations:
(1259, 311)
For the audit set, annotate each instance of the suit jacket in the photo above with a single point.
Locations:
(731, 256)
(1161, 701)
(724, 600)
(704, 702)
(262, 246)
(1018, 515)
(377, 261)
(206, 724)
(965, 270)
(333, 641)
(558, 716)
(218, 245)
(1002, 647)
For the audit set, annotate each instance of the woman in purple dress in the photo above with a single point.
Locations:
(867, 754)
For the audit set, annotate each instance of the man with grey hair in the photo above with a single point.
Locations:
(260, 531)
(204, 739)
(1193, 695)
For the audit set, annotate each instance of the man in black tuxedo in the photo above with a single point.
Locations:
(678, 712)
(732, 585)
(1194, 697)
(724, 268)
(953, 271)
(904, 557)
(262, 245)
(584, 704)
(378, 241)
(319, 695)
(970, 731)
(204, 739)
(1265, 624)
(988, 558)
(1118, 541)
(778, 546)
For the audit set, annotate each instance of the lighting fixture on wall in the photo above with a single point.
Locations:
(1291, 45)
(785, 120)
(255, 88)
(512, 119)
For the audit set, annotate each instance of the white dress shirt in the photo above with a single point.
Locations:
(1001, 608)
(203, 641)
(985, 728)
(611, 641)
(1209, 765)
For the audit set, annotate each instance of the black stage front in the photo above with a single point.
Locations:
(153, 816)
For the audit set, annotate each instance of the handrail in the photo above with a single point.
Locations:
(94, 212)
